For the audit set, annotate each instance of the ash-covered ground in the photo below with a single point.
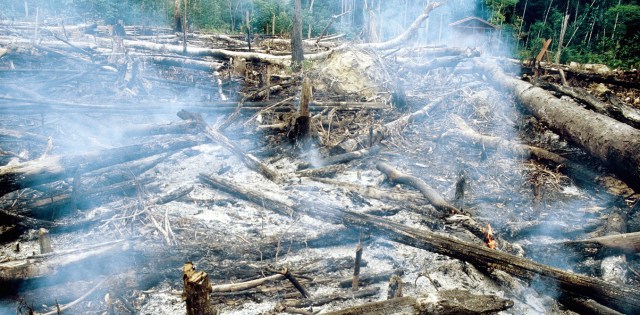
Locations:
(77, 109)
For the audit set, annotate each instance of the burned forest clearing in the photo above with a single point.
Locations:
(145, 174)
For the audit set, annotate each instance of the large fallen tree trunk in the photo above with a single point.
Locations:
(621, 298)
(438, 303)
(50, 169)
(616, 144)
(620, 112)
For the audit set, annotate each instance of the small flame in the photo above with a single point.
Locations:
(488, 237)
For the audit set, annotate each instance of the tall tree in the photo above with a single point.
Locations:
(297, 54)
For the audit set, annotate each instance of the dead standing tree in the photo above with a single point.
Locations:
(297, 54)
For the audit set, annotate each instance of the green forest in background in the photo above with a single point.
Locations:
(597, 31)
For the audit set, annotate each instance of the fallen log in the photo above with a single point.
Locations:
(590, 76)
(375, 192)
(626, 242)
(440, 302)
(248, 159)
(621, 298)
(619, 112)
(433, 196)
(187, 63)
(573, 169)
(50, 264)
(55, 168)
(241, 286)
(615, 144)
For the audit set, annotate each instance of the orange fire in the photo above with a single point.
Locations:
(488, 237)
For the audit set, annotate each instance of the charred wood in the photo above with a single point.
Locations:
(196, 291)
(343, 158)
(442, 302)
(394, 127)
(48, 265)
(342, 296)
(376, 192)
(626, 242)
(621, 298)
(368, 279)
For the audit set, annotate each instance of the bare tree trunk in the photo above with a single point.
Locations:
(297, 54)
(310, 19)
(565, 21)
(184, 28)
(177, 16)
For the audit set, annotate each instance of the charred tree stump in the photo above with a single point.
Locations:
(395, 287)
(356, 269)
(196, 291)
(300, 133)
(614, 143)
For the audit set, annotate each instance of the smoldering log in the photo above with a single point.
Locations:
(615, 144)
(48, 265)
(441, 302)
(182, 127)
(621, 298)
(322, 300)
(53, 168)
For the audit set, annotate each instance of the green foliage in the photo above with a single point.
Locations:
(590, 36)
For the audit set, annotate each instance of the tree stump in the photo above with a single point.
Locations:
(300, 133)
(196, 291)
